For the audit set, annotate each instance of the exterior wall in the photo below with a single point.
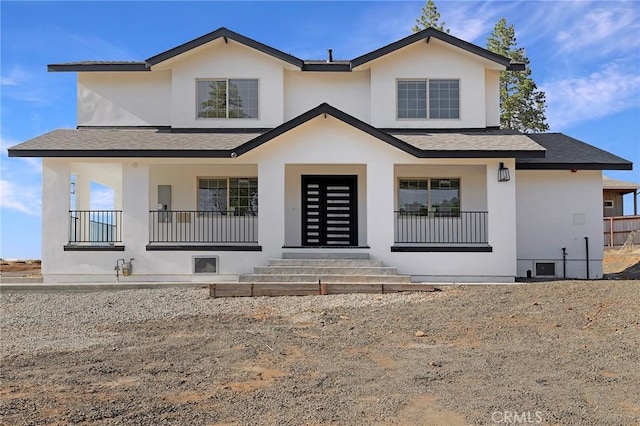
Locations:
(349, 92)
(492, 97)
(124, 98)
(434, 60)
(232, 60)
(556, 209)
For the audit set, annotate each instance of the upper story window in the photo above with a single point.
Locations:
(441, 100)
(228, 98)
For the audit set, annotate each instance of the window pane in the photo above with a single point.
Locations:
(212, 99)
(445, 197)
(212, 195)
(243, 98)
(412, 99)
(412, 196)
(243, 196)
(444, 98)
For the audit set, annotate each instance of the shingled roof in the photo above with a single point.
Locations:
(205, 143)
(566, 153)
(616, 184)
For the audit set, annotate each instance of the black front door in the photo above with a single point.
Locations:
(329, 211)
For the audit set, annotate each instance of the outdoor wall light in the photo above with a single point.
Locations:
(503, 173)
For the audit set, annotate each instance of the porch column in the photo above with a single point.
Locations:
(271, 207)
(56, 183)
(135, 205)
(380, 207)
(501, 205)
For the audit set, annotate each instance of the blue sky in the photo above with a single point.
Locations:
(584, 55)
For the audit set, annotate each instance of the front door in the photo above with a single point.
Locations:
(329, 210)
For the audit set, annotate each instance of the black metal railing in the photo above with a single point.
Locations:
(434, 228)
(192, 226)
(95, 226)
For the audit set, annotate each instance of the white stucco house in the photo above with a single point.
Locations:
(223, 153)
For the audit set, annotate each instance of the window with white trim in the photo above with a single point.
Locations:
(438, 197)
(428, 98)
(236, 196)
(227, 98)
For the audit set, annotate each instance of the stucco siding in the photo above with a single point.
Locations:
(218, 60)
(124, 99)
(556, 209)
(423, 61)
(349, 92)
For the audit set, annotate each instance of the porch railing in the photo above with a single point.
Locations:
(95, 226)
(192, 226)
(433, 228)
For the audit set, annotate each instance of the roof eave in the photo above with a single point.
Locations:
(573, 166)
(122, 67)
(121, 153)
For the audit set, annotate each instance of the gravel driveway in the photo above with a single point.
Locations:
(546, 353)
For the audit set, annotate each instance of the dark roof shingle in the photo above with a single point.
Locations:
(566, 153)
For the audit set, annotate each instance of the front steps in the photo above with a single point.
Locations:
(303, 274)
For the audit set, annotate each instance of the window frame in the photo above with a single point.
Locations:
(226, 80)
(237, 210)
(427, 99)
(427, 210)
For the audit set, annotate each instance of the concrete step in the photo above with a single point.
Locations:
(330, 278)
(311, 255)
(325, 270)
(325, 262)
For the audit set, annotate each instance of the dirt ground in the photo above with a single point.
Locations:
(543, 353)
(20, 268)
(539, 353)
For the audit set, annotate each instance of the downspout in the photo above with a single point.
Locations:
(564, 263)
(586, 243)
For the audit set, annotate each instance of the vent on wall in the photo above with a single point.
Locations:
(546, 269)
(205, 265)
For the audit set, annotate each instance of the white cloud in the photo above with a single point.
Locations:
(16, 76)
(603, 30)
(612, 89)
(23, 198)
(102, 198)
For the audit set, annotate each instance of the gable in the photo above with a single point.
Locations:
(425, 36)
(223, 35)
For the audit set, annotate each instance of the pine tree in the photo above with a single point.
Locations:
(522, 105)
(429, 17)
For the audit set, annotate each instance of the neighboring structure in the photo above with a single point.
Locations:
(224, 153)
(613, 192)
(617, 226)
